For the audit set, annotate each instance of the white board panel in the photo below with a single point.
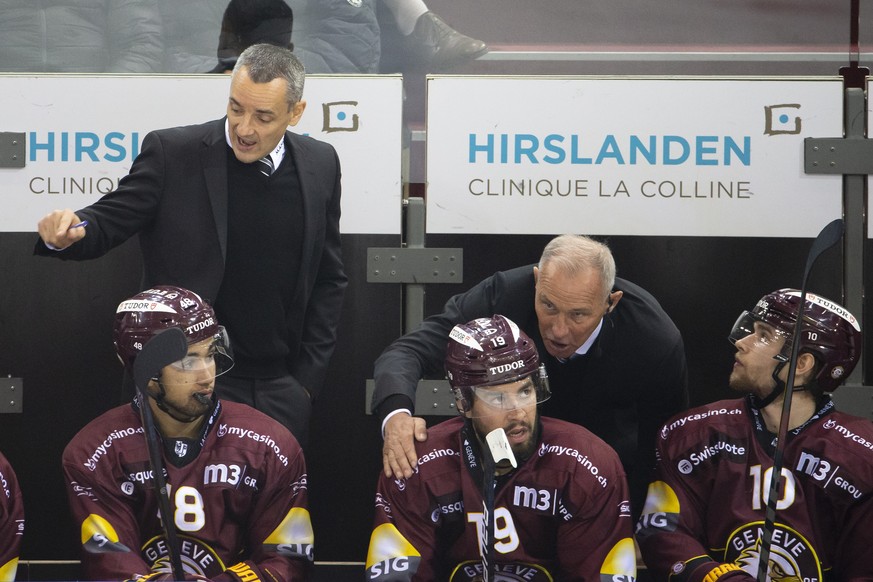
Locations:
(83, 132)
(629, 156)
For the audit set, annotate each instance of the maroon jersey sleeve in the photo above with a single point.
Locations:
(853, 561)
(403, 543)
(842, 477)
(108, 526)
(416, 518)
(280, 530)
(671, 531)
(11, 521)
(597, 503)
(671, 525)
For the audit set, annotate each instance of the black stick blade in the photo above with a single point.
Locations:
(828, 237)
(165, 347)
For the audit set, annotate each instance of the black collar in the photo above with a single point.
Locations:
(767, 439)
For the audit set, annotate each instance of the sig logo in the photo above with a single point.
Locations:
(386, 569)
(656, 520)
(339, 116)
(782, 119)
(296, 551)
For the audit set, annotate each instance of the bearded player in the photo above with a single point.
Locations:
(562, 514)
(236, 478)
(706, 507)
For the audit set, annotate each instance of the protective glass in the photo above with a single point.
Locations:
(763, 336)
(523, 393)
(218, 356)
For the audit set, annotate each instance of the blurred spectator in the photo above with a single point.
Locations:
(248, 22)
(81, 36)
(330, 36)
(190, 30)
(426, 41)
(345, 36)
(337, 36)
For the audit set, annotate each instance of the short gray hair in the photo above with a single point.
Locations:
(266, 62)
(571, 253)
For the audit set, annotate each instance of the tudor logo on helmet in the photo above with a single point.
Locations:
(131, 305)
(828, 331)
(150, 312)
(489, 352)
(518, 364)
(199, 325)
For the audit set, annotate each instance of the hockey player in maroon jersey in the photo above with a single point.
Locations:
(705, 512)
(562, 514)
(236, 478)
(11, 521)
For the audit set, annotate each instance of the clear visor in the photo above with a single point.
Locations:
(523, 393)
(762, 336)
(205, 361)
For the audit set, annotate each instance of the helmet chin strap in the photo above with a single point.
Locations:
(761, 403)
(162, 404)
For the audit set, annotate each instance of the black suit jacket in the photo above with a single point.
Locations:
(175, 197)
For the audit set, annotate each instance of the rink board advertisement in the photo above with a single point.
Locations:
(629, 156)
(81, 134)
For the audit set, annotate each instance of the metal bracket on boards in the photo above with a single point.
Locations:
(11, 395)
(852, 157)
(12, 149)
(837, 155)
(414, 265)
(432, 398)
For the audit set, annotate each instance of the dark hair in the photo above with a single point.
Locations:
(249, 22)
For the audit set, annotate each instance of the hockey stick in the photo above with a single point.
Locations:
(498, 449)
(164, 348)
(828, 237)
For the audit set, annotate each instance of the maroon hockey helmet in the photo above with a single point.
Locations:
(491, 351)
(145, 314)
(828, 331)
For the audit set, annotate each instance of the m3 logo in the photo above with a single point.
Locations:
(538, 499)
(229, 474)
(816, 467)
